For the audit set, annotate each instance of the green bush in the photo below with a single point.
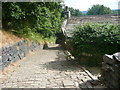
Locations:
(75, 12)
(99, 10)
(92, 41)
(28, 18)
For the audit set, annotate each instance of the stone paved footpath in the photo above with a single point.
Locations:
(45, 69)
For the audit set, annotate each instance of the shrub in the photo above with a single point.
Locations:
(94, 40)
(99, 10)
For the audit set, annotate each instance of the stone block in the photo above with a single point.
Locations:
(83, 86)
(21, 55)
(8, 49)
(1, 68)
(32, 48)
(115, 73)
(11, 53)
(0, 51)
(15, 45)
(33, 43)
(10, 58)
(0, 60)
(30, 43)
(24, 49)
(41, 46)
(68, 83)
(20, 43)
(15, 57)
(14, 49)
(99, 87)
(88, 85)
(113, 83)
(116, 56)
(109, 59)
(111, 70)
(5, 58)
(3, 51)
(7, 63)
(38, 48)
(23, 43)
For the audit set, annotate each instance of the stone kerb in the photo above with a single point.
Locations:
(16, 52)
(111, 70)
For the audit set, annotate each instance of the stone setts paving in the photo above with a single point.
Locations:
(10, 54)
(46, 69)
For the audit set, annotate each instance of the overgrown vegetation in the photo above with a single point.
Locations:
(36, 21)
(75, 12)
(94, 10)
(99, 10)
(116, 12)
(92, 40)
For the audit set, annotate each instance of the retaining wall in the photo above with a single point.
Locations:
(111, 70)
(16, 52)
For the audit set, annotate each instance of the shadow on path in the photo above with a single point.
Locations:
(61, 63)
(55, 48)
(92, 85)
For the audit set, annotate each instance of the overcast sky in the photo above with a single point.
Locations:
(83, 5)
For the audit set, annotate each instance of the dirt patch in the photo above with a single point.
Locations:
(8, 38)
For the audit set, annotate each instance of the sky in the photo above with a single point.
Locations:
(83, 5)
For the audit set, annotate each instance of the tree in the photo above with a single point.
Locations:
(26, 17)
(75, 12)
(99, 10)
(116, 12)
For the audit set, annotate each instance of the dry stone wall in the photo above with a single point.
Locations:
(16, 52)
(112, 19)
(111, 63)
(111, 70)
